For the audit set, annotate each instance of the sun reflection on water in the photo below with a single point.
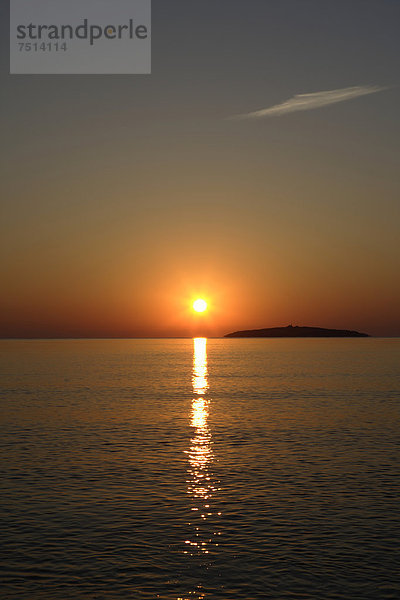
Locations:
(201, 484)
(200, 383)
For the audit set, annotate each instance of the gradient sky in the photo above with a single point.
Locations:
(125, 197)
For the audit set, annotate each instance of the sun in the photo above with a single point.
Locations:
(199, 305)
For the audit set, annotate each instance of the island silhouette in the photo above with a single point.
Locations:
(295, 331)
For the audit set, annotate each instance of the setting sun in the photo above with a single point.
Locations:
(199, 305)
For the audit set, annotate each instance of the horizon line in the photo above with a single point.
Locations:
(189, 337)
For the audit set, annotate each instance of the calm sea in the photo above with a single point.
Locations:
(200, 469)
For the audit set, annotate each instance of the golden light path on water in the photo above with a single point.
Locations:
(200, 453)
(202, 485)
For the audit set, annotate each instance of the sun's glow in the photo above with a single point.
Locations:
(199, 305)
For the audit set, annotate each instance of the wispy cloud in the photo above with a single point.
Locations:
(311, 101)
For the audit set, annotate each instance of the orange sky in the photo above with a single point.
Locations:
(124, 198)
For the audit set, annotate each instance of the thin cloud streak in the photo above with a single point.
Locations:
(312, 101)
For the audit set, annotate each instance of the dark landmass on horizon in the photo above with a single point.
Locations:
(294, 332)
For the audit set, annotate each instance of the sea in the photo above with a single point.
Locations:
(200, 469)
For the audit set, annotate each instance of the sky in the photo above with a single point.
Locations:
(256, 167)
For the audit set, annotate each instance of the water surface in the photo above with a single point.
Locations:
(181, 469)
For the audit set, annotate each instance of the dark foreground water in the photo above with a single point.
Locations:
(180, 469)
